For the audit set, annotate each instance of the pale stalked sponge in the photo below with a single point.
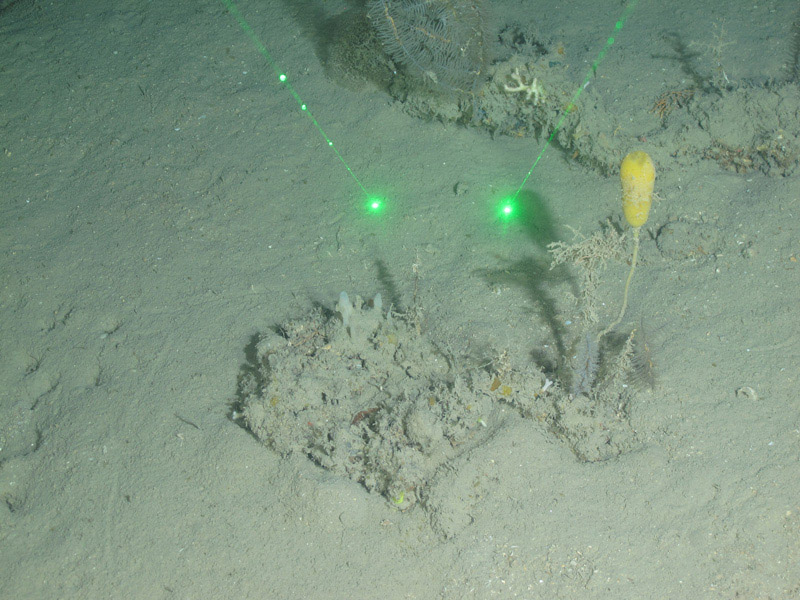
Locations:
(638, 175)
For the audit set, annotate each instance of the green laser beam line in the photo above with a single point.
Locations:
(234, 10)
(592, 70)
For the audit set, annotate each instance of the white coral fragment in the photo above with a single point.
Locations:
(533, 90)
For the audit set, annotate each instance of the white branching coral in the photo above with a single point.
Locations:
(533, 89)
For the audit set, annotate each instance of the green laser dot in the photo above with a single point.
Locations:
(282, 77)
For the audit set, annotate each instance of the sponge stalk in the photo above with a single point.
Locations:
(627, 285)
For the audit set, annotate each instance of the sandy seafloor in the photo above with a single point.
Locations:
(164, 201)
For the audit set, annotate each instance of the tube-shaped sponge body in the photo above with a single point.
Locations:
(638, 174)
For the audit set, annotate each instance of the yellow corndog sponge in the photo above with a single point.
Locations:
(638, 174)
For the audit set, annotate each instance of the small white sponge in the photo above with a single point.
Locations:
(345, 308)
